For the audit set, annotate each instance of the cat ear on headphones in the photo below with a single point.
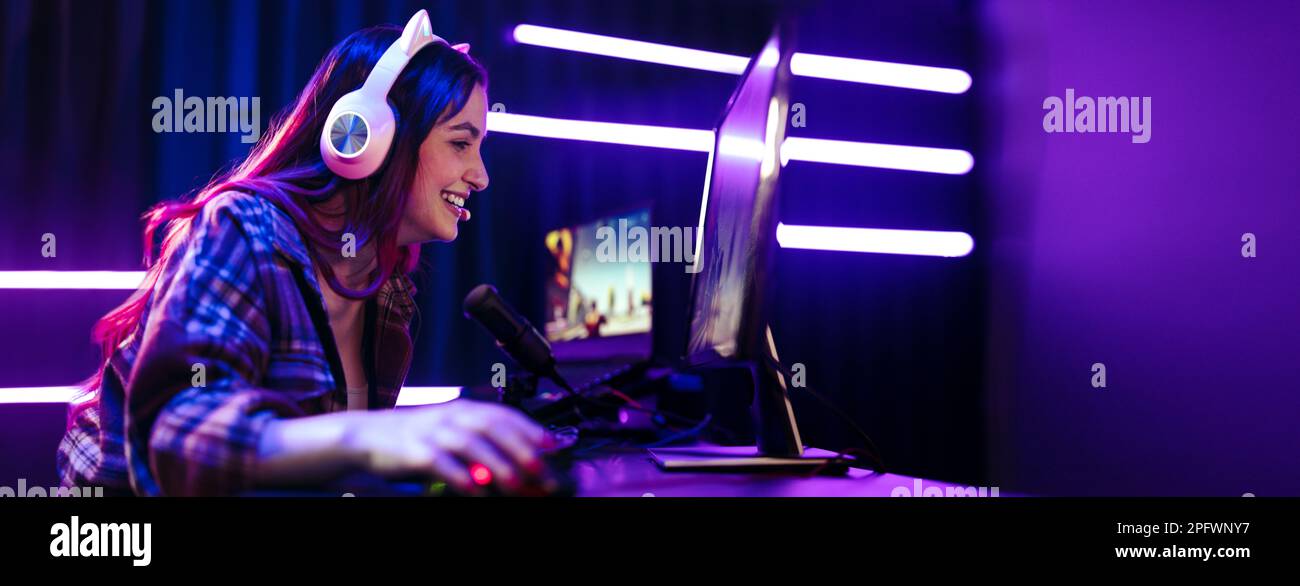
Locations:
(416, 34)
(462, 47)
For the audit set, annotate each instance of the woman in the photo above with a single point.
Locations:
(270, 337)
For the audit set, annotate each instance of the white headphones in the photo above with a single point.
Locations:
(359, 129)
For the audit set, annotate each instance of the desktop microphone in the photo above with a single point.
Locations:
(514, 335)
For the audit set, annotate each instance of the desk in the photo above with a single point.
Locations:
(631, 473)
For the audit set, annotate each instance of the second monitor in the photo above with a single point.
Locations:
(599, 306)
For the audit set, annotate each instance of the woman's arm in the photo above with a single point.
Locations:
(435, 441)
(306, 450)
(195, 412)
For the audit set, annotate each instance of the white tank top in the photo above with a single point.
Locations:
(358, 399)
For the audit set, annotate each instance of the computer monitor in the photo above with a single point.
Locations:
(728, 315)
(599, 307)
(737, 224)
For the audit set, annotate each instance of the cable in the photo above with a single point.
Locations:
(694, 431)
(658, 412)
(870, 449)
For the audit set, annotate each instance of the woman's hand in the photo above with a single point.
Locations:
(445, 441)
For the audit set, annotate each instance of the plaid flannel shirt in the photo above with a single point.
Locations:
(240, 298)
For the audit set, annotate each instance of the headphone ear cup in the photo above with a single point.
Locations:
(357, 135)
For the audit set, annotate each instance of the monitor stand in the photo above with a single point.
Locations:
(780, 448)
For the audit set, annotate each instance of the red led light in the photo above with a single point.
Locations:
(481, 475)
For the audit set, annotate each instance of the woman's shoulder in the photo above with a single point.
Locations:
(246, 208)
(266, 226)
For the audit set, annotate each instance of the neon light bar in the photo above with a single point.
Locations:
(408, 397)
(411, 396)
(919, 77)
(877, 240)
(555, 38)
(37, 394)
(863, 154)
(884, 156)
(663, 137)
(70, 279)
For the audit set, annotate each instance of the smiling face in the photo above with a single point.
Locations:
(451, 168)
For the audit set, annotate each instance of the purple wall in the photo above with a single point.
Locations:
(1130, 254)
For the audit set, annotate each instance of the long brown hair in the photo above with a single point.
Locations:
(285, 167)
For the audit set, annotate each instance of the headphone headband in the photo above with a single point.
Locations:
(415, 36)
(359, 129)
